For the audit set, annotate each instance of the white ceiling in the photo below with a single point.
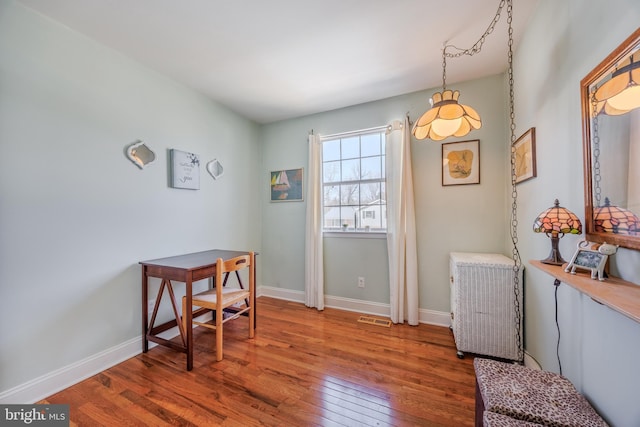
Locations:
(275, 59)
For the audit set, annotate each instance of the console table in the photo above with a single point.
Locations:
(617, 294)
(187, 268)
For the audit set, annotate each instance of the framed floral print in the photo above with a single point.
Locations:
(461, 163)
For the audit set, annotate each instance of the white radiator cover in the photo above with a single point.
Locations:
(483, 305)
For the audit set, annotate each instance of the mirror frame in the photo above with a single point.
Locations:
(622, 51)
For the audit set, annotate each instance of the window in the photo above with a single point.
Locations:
(353, 177)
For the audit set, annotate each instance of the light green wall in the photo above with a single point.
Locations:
(76, 216)
(598, 347)
(468, 218)
(563, 42)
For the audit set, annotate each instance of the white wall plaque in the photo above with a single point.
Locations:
(215, 169)
(140, 154)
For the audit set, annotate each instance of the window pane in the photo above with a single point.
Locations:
(351, 148)
(331, 172)
(331, 150)
(371, 168)
(331, 195)
(383, 192)
(349, 194)
(332, 218)
(348, 216)
(351, 170)
(369, 192)
(370, 145)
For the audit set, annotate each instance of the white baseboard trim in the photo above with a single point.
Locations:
(430, 317)
(39, 388)
(279, 293)
(52, 382)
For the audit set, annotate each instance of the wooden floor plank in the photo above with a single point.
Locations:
(303, 368)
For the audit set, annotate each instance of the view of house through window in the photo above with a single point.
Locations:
(353, 176)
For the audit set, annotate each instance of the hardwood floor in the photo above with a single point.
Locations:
(303, 368)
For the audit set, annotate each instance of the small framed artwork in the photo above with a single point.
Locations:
(525, 156)
(185, 170)
(461, 162)
(286, 185)
(592, 257)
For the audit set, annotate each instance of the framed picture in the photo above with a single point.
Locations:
(525, 152)
(185, 170)
(461, 163)
(286, 185)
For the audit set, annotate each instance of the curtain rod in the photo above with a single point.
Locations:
(355, 132)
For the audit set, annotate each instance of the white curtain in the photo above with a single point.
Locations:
(401, 226)
(313, 276)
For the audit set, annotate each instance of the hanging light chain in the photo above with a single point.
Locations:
(517, 261)
(444, 68)
(477, 47)
(597, 191)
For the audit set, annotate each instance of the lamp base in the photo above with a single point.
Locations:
(554, 257)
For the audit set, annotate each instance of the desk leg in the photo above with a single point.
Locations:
(253, 302)
(189, 323)
(145, 313)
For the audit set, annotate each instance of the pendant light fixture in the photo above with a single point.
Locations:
(447, 117)
(621, 93)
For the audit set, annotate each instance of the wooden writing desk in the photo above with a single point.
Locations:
(187, 268)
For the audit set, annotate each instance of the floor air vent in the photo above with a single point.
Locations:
(374, 321)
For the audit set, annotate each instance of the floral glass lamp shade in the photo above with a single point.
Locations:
(555, 222)
(621, 93)
(446, 118)
(614, 219)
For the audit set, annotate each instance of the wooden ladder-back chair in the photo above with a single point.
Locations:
(222, 297)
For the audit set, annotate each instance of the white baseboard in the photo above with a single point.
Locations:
(430, 317)
(39, 388)
(52, 382)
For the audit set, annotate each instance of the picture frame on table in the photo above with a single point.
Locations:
(591, 257)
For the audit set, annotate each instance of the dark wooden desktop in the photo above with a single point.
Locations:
(187, 268)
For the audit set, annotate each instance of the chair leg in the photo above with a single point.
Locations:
(252, 321)
(219, 318)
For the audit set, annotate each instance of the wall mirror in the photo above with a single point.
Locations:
(610, 96)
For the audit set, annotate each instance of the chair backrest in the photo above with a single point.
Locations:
(236, 264)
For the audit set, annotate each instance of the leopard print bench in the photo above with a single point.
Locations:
(491, 419)
(530, 395)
